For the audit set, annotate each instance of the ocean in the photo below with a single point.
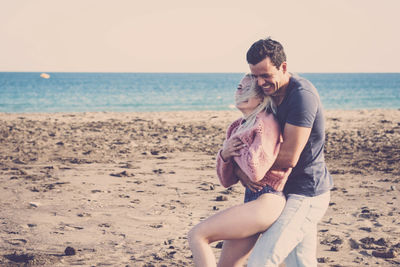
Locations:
(28, 92)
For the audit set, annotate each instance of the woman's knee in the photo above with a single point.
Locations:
(197, 234)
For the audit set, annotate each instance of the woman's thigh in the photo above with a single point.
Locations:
(243, 220)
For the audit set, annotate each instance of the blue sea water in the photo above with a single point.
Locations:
(27, 92)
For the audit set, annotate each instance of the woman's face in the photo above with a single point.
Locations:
(247, 105)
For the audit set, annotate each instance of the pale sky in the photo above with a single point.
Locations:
(197, 36)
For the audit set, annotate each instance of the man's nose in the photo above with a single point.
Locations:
(260, 81)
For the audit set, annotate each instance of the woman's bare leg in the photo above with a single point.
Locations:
(238, 222)
(236, 251)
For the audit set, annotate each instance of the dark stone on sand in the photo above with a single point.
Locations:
(381, 242)
(60, 143)
(70, 251)
(337, 171)
(221, 198)
(157, 257)
(367, 229)
(334, 248)
(122, 174)
(323, 260)
(385, 254)
(219, 245)
(158, 171)
(19, 257)
(168, 242)
(18, 161)
(367, 240)
(354, 244)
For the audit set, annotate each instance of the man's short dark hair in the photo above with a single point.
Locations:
(266, 48)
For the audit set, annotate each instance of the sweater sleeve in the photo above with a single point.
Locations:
(262, 147)
(225, 169)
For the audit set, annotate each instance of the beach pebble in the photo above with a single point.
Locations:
(334, 248)
(323, 260)
(154, 152)
(69, 251)
(168, 242)
(381, 242)
(367, 240)
(385, 254)
(96, 191)
(367, 229)
(219, 244)
(221, 198)
(122, 174)
(18, 161)
(158, 171)
(34, 204)
(354, 244)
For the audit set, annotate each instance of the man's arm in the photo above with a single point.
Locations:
(294, 141)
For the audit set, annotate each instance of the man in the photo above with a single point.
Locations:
(293, 237)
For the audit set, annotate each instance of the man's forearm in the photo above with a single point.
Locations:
(294, 141)
(284, 161)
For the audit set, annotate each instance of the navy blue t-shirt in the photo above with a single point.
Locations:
(302, 107)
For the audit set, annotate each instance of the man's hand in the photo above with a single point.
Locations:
(231, 148)
(246, 182)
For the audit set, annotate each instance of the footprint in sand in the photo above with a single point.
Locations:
(16, 241)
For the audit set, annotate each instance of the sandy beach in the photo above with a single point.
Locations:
(123, 189)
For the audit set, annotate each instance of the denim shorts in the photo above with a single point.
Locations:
(250, 195)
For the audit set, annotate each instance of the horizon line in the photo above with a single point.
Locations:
(200, 72)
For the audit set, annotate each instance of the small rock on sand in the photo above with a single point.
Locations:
(69, 251)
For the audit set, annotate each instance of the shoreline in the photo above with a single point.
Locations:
(124, 188)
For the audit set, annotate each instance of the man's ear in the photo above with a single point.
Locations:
(284, 67)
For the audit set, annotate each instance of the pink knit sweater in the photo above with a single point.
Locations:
(262, 146)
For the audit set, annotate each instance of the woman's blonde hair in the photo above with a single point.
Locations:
(266, 105)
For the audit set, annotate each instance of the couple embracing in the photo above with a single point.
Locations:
(276, 150)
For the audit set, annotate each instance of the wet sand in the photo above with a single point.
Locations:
(123, 189)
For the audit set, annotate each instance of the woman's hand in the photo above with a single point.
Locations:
(246, 182)
(231, 148)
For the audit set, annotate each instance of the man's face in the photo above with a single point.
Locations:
(269, 78)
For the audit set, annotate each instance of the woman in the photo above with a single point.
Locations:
(252, 144)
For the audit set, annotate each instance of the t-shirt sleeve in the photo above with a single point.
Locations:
(303, 108)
